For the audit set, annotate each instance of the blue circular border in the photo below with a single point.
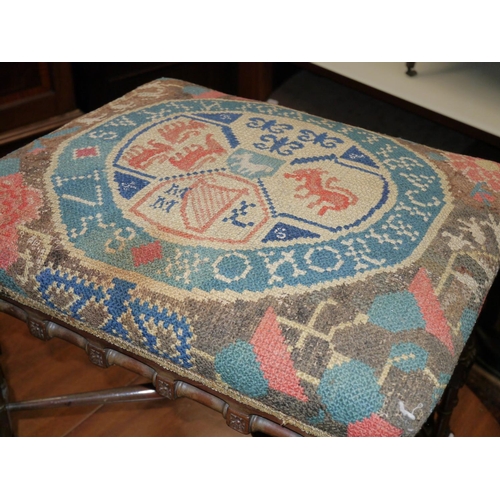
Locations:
(315, 261)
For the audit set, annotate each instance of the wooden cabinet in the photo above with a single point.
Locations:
(99, 83)
(38, 97)
(35, 98)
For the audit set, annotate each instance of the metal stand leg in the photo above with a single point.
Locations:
(119, 395)
(409, 69)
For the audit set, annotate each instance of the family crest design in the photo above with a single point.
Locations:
(263, 197)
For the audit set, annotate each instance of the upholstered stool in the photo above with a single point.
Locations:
(298, 275)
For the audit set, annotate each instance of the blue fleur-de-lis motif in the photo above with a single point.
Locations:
(322, 139)
(281, 145)
(270, 125)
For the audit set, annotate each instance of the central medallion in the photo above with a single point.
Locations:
(243, 196)
(239, 180)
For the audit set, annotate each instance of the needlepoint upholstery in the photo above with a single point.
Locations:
(323, 274)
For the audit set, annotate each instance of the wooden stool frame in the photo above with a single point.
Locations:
(165, 384)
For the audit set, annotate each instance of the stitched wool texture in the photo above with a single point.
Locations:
(321, 273)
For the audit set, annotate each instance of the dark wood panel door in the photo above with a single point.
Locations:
(32, 92)
(99, 83)
(21, 80)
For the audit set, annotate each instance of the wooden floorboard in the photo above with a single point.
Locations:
(180, 418)
(471, 418)
(37, 369)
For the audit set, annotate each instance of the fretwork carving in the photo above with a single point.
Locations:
(97, 356)
(38, 328)
(238, 421)
(165, 388)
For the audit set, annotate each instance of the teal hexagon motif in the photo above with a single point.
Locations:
(396, 312)
(350, 392)
(467, 322)
(238, 367)
(408, 357)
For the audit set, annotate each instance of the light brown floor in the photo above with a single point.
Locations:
(37, 369)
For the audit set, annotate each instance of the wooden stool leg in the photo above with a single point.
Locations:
(450, 396)
(438, 424)
(5, 424)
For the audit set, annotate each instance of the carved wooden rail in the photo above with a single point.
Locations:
(164, 384)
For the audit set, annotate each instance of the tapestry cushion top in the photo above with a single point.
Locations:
(326, 275)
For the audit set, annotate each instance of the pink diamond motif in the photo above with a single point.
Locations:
(86, 152)
(146, 254)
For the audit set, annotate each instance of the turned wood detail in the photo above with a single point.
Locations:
(13, 310)
(5, 423)
(164, 383)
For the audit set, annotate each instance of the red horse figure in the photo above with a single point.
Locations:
(335, 197)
